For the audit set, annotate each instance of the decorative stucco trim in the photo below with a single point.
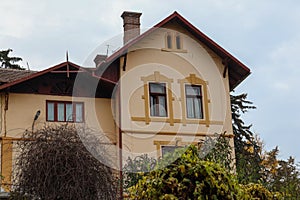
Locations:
(194, 80)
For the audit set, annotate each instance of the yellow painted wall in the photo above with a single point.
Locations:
(149, 56)
(22, 109)
(6, 164)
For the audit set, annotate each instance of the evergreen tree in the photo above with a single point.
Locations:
(9, 62)
(247, 147)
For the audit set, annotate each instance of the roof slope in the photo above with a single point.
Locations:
(236, 69)
(10, 75)
(19, 76)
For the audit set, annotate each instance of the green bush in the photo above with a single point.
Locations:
(188, 177)
(258, 191)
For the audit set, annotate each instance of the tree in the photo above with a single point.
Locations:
(218, 151)
(247, 147)
(9, 62)
(255, 166)
(53, 163)
(280, 175)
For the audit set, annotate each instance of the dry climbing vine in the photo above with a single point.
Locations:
(53, 163)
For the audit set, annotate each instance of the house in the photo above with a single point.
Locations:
(165, 88)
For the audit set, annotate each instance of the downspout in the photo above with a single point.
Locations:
(1, 117)
(120, 126)
(4, 110)
(6, 98)
(120, 144)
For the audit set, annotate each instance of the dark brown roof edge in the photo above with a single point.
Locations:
(204, 38)
(37, 74)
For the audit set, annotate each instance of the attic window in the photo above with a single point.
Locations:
(169, 41)
(174, 42)
(178, 41)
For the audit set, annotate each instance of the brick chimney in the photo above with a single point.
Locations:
(131, 24)
(99, 59)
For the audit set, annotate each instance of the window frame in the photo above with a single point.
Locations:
(192, 79)
(65, 103)
(171, 149)
(174, 42)
(194, 96)
(169, 41)
(178, 41)
(157, 95)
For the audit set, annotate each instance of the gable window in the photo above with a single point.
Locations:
(64, 111)
(178, 41)
(158, 97)
(194, 108)
(169, 41)
(174, 42)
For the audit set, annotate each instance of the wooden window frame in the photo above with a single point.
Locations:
(200, 97)
(192, 79)
(156, 77)
(73, 103)
(156, 95)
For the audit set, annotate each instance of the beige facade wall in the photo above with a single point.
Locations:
(23, 107)
(150, 57)
(20, 114)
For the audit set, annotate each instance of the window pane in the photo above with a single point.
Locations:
(69, 112)
(152, 106)
(61, 112)
(178, 42)
(169, 149)
(162, 106)
(50, 111)
(193, 90)
(169, 41)
(79, 112)
(157, 88)
(198, 111)
(190, 108)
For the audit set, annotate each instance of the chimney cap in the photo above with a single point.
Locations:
(130, 14)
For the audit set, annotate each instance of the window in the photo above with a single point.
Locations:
(173, 42)
(178, 41)
(193, 96)
(168, 149)
(63, 111)
(169, 41)
(158, 103)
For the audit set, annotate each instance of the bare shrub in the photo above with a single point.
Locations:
(53, 163)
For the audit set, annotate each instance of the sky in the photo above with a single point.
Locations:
(264, 35)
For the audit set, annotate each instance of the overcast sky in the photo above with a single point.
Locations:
(264, 35)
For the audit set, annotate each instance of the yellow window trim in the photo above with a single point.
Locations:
(158, 78)
(194, 80)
